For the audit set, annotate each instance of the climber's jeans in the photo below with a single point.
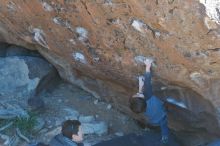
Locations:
(164, 127)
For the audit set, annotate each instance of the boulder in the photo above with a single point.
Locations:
(100, 46)
(20, 76)
(96, 127)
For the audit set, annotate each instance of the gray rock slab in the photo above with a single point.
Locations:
(20, 76)
(70, 114)
(98, 128)
(14, 77)
(86, 119)
(11, 111)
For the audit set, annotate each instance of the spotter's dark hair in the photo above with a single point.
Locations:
(70, 127)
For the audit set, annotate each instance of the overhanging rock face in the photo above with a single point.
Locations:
(100, 45)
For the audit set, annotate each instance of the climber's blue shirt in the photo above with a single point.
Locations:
(155, 111)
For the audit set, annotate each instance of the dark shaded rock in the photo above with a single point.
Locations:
(36, 104)
(14, 77)
(215, 143)
(20, 76)
(48, 82)
(149, 138)
(38, 67)
(21, 51)
(3, 48)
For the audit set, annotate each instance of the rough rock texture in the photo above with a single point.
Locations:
(100, 44)
(22, 72)
(14, 77)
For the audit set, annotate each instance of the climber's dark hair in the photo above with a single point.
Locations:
(137, 104)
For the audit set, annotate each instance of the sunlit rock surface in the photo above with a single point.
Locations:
(99, 45)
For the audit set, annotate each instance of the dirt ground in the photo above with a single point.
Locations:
(65, 95)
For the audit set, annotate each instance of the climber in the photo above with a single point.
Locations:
(152, 107)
